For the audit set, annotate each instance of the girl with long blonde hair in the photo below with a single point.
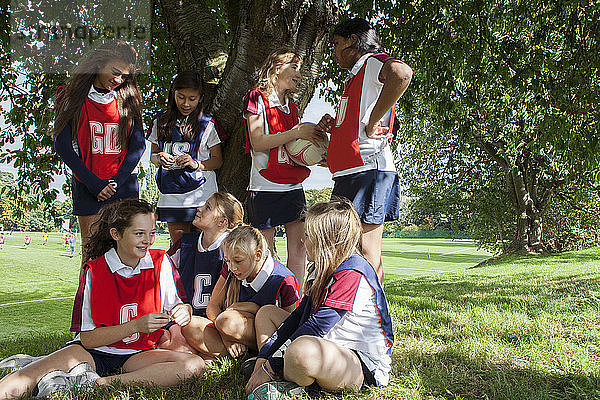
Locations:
(340, 336)
(250, 279)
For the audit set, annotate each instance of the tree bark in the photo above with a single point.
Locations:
(256, 29)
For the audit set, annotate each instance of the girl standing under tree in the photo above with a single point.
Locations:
(275, 194)
(98, 130)
(186, 148)
(126, 294)
(359, 155)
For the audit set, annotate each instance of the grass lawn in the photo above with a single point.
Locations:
(522, 328)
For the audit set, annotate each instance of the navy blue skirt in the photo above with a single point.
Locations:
(375, 194)
(270, 209)
(85, 203)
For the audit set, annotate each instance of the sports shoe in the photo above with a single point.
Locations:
(247, 367)
(53, 382)
(83, 376)
(18, 361)
(274, 390)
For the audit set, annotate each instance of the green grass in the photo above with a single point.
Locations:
(522, 328)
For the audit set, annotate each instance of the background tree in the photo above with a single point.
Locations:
(515, 82)
(226, 41)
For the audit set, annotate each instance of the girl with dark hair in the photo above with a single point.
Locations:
(98, 130)
(186, 148)
(275, 194)
(359, 155)
(126, 294)
(340, 336)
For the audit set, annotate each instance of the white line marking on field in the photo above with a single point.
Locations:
(36, 249)
(35, 301)
(41, 282)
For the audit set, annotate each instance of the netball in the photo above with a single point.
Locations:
(304, 152)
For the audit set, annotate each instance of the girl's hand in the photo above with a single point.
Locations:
(309, 131)
(376, 131)
(325, 124)
(106, 193)
(185, 161)
(166, 160)
(259, 376)
(151, 322)
(181, 314)
(236, 349)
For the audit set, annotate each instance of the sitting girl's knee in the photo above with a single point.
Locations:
(303, 351)
(229, 323)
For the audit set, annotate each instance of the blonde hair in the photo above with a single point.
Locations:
(333, 234)
(229, 207)
(267, 75)
(244, 240)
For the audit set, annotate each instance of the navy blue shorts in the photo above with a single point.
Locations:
(172, 214)
(106, 364)
(375, 194)
(270, 209)
(85, 203)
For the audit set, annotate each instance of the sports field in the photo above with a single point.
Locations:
(518, 328)
(37, 284)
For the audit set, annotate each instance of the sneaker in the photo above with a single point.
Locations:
(53, 382)
(247, 367)
(18, 361)
(83, 376)
(274, 390)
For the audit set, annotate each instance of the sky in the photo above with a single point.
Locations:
(319, 178)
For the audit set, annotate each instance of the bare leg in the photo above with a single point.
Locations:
(269, 235)
(85, 225)
(174, 340)
(23, 381)
(236, 327)
(266, 322)
(202, 335)
(371, 247)
(309, 359)
(296, 259)
(177, 229)
(158, 367)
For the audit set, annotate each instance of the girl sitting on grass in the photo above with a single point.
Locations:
(250, 279)
(199, 260)
(126, 294)
(340, 336)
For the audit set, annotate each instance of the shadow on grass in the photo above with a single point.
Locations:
(455, 258)
(447, 374)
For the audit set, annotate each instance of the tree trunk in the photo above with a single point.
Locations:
(256, 28)
(528, 236)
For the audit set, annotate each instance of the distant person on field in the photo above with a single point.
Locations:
(340, 336)
(27, 241)
(186, 146)
(72, 244)
(44, 239)
(126, 294)
(359, 155)
(1, 241)
(98, 130)
(275, 194)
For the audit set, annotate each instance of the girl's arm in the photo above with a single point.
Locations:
(135, 149)
(396, 77)
(217, 298)
(63, 144)
(105, 335)
(263, 142)
(245, 306)
(215, 161)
